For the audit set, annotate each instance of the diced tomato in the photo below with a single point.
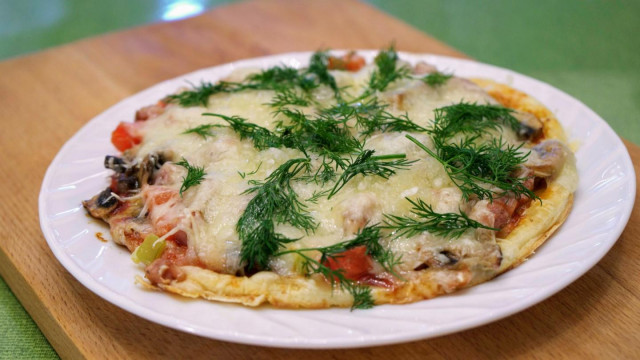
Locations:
(165, 211)
(125, 136)
(162, 197)
(350, 62)
(355, 263)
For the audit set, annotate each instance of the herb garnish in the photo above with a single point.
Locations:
(371, 116)
(275, 201)
(387, 70)
(278, 78)
(199, 95)
(195, 175)
(436, 79)
(449, 225)
(243, 174)
(474, 168)
(202, 130)
(471, 119)
(262, 138)
(319, 68)
(367, 164)
(287, 97)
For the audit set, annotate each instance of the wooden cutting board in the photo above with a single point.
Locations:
(46, 97)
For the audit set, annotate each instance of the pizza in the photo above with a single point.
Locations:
(341, 183)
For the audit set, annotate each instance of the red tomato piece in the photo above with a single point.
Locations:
(350, 62)
(355, 263)
(124, 136)
(162, 197)
(354, 62)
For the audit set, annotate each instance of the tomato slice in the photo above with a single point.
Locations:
(124, 137)
(350, 62)
(355, 263)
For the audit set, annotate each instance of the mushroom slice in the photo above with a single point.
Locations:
(547, 158)
(530, 125)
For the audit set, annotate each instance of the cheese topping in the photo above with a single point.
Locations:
(210, 211)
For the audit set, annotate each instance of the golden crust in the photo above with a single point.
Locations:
(541, 219)
(537, 224)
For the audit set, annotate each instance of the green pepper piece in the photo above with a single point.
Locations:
(149, 250)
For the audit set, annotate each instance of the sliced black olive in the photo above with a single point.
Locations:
(125, 183)
(115, 163)
(105, 199)
(147, 168)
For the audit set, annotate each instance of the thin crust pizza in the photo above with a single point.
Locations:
(341, 183)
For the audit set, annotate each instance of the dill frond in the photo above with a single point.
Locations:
(475, 168)
(471, 119)
(262, 138)
(195, 175)
(275, 201)
(436, 79)
(202, 130)
(387, 70)
(448, 225)
(383, 166)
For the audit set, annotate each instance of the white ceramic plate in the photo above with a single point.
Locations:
(603, 201)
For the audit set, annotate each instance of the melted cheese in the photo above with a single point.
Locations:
(214, 207)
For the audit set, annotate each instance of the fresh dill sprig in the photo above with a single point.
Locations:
(278, 78)
(202, 130)
(386, 122)
(371, 116)
(317, 195)
(319, 68)
(387, 70)
(448, 225)
(262, 138)
(322, 135)
(243, 174)
(369, 237)
(195, 175)
(469, 118)
(275, 201)
(288, 97)
(199, 95)
(362, 298)
(475, 168)
(260, 241)
(275, 78)
(280, 198)
(366, 164)
(436, 79)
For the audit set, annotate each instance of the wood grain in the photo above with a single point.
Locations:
(45, 98)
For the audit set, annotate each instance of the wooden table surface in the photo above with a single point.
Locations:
(45, 98)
